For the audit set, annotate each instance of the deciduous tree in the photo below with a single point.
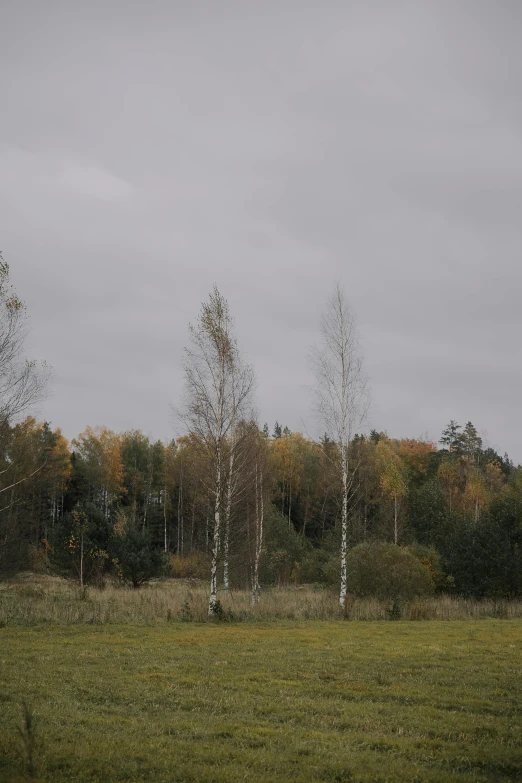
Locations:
(218, 394)
(341, 398)
(23, 383)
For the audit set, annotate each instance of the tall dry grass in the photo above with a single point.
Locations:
(32, 599)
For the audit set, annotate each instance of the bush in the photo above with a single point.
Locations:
(219, 613)
(386, 571)
(331, 570)
(313, 566)
(432, 562)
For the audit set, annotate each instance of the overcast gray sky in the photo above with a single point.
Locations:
(150, 149)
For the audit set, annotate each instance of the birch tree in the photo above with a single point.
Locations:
(218, 392)
(22, 383)
(341, 398)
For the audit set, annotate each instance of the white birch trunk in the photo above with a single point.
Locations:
(228, 511)
(180, 515)
(165, 518)
(218, 394)
(341, 398)
(256, 589)
(216, 544)
(344, 529)
(81, 558)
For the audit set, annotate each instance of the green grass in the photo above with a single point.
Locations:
(287, 701)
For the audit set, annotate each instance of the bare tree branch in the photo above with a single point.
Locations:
(25, 478)
(22, 383)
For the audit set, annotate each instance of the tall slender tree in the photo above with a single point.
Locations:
(341, 398)
(218, 393)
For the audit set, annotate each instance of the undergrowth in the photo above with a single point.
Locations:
(35, 599)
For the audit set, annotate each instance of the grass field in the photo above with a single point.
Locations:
(286, 701)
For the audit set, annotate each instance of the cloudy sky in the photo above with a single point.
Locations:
(151, 149)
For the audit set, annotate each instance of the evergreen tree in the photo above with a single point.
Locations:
(451, 438)
(470, 443)
(135, 557)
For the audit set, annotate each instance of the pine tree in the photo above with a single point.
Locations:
(451, 438)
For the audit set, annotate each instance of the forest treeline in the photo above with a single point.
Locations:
(242, 506)
(120, 503)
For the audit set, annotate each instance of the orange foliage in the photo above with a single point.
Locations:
(101, 450)
(415, 455)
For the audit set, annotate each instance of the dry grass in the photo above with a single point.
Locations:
(33, 599)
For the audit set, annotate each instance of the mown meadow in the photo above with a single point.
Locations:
(176, 699)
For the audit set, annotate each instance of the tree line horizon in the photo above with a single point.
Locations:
(229, 502)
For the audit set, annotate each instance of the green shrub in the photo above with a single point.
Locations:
(331, 570)
(220, 614)
(312, 566)
(432, 561)
(386, 571)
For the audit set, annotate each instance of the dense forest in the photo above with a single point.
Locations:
(246, 506)
(459, 507)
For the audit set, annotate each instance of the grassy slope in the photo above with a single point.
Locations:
(316, 701)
